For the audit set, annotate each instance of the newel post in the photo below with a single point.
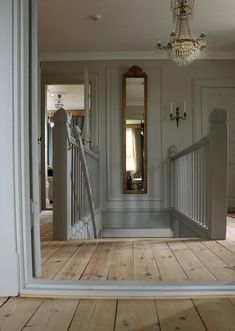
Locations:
(61, 178)
(217, 174)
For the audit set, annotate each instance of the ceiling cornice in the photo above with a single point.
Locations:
(101, 56)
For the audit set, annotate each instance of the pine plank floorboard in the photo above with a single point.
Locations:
(167, 263)
(3, 300)
(76, 265)
(98, 267)
(55, 262)
(145, 267)
(212, 262)
(193, 268)
(122, 267)
(178, 315)
(94, 315)
(16, 312)
(216, 314)
(52, 315)
(29, 314)
(166, 259)
(49, 249)
(226, 255)
(136, 315)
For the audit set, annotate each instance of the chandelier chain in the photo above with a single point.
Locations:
(182, 47)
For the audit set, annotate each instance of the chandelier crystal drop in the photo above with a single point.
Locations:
(182, 47)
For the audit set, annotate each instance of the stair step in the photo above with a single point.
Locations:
(137, 233)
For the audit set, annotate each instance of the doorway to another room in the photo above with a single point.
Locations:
(69, 97)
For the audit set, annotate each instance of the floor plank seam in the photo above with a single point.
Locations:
(232, 301)
(88, 263)
(75, 311)
(110, 258)
(199, 315)
(224, 246)
(7, 299)
(216, 277)
(232, 267)
(199, 261)
(157, 313)
(178, 261)
(25, 325)
(53, 252)
(160, 274)
(115, 316)
(67, 261)
(219, 243)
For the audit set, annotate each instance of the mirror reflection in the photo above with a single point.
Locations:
(134, 128)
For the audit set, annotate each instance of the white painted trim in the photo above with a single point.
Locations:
(136, 210)
(16, 97)
(76, 78)
(198, 85)
(137, 233)
(178, 216)
(34, 145)
(128, 289)
(141, 55)
(21, 141)
(64, 79)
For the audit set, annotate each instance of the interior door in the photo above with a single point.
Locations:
(34, 142)
(224, 98)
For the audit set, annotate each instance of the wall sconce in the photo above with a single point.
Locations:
(177, 117)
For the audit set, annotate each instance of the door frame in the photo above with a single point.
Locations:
(63, 79)
(30, 286)
(198, 86)
(198, 116)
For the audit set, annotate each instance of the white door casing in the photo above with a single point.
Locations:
(21, 201)
(208, 97)
(34, 143)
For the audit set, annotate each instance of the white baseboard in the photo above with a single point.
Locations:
(137, 233)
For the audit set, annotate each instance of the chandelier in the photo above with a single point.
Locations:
(182, 47)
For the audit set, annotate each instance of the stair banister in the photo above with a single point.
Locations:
(199, 181)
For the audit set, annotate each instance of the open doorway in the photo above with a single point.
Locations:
(69, 97)
(108, 260)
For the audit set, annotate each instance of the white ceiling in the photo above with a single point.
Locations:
(128, 25)
(72, 96)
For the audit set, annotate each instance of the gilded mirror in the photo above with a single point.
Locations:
(134, 131)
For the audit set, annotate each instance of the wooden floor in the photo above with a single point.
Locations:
(106, 315)
(139, 259)
(111, 259)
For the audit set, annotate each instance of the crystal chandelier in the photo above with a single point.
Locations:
(182, 47)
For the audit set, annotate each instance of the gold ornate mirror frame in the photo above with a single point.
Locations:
(134, 131)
